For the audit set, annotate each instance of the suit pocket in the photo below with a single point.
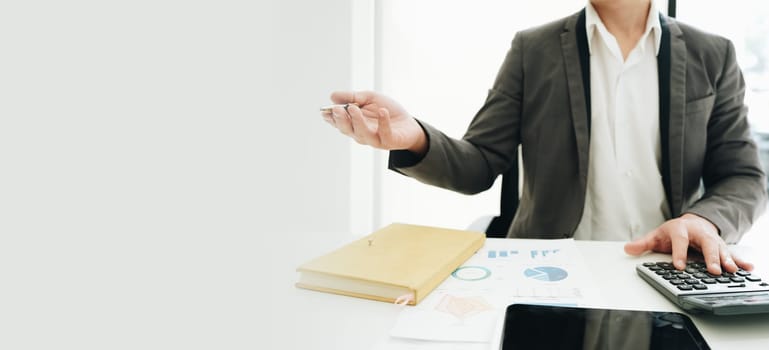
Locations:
(701, 105)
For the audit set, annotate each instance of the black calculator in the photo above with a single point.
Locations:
(696, 290)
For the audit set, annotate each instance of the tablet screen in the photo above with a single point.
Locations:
(555, 327)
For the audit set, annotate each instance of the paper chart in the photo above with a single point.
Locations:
(469, 303)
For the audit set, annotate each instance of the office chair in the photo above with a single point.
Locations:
(497, 226)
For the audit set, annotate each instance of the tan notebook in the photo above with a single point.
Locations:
(399, 260)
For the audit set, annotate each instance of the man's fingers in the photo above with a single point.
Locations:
(342, 121)
(363, 134)
(713, 255)
(742, 263)
(384, 130)
(679, 245)
(360, 98)
(329, 119)
(643, 244)
(638, 247)
(677, 235)
(728, 264)
(342, 97)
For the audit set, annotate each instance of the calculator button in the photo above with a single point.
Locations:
(700, 286)
(692, 270)
(677, 282)
(649, 264)
(654, 268)
(737, 279)
(669, 277)
(661, 272)
(684, 276)
(752, 278)
(692, 281)
(666, 265)
(700, 275)
(684, 287)
(727, 274)
(709, 280)
(723, 280)
(743, 273)
(736, 285)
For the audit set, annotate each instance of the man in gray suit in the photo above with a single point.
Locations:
(631, 126)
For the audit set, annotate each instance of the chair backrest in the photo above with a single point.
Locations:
(508, 204)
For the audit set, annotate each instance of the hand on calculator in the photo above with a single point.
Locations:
(677, 235)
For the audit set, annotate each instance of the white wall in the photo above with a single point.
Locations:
(140, 140)
(304, 164)
(440, 65)
(141, 117)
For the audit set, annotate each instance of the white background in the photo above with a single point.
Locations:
(144, 142)
(173, 115)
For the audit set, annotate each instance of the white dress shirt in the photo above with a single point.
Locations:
(625, 196)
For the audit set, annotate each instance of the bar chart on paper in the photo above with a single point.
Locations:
(493, 254)
(543, 253)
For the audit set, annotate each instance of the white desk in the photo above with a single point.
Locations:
(233, 289)
(327, 321)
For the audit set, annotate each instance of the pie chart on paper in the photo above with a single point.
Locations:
(546, 273)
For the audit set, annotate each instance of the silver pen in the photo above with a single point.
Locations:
(329, 107)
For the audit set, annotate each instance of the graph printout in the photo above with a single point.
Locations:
(469, 304)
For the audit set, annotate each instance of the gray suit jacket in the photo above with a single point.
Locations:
(541, 102)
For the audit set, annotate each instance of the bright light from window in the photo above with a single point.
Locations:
(439, 58)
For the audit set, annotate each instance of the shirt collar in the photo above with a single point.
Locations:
(594, 24)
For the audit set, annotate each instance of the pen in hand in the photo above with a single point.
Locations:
(330, 107)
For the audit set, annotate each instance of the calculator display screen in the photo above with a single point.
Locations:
(556, 327)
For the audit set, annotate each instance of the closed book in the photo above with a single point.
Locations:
(398, 261)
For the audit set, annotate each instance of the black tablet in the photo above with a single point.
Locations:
(556, 327)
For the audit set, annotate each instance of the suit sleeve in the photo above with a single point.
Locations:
(735, 184)
(489, 146)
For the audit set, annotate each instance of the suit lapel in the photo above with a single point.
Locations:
(574, 48)
(671, 64)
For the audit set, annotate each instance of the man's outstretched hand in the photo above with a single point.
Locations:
(376, 120)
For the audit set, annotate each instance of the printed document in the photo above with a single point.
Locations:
(470, 303)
